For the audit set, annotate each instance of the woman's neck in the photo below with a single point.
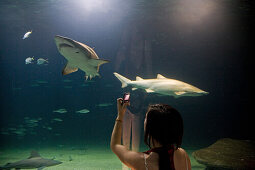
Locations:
(156, 144)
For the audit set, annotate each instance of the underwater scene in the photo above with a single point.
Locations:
(64, 64)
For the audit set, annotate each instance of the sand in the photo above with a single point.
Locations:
(76, 158)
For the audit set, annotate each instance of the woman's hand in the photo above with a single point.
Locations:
(121, 108)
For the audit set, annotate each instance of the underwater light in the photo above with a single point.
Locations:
(93, 5)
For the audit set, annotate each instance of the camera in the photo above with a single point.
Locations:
(126, 98)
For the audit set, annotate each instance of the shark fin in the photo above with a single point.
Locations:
(149, 90)
(34, 154)
(69, 69)
(98, 62)
(134, 88)
(40, 168)
(180, 93)
(159, 76)
(122, 79)
(138, 78)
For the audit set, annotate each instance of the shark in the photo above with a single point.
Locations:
(33, 161)
(79, 56)
(162, 85)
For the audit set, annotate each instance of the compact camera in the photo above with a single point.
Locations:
(126, 98)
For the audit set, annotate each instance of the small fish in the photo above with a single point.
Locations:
(49, 128)
(34, 85)
(42, 61)
(68, 87)
(57, 120)
(83, 111)
(104, 104)
(60, 111)
(27, 34)
(67, 81)
(29, 60)
(42, 81)
(4, 133)
(84, 85)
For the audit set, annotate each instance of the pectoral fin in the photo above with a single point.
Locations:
(40, 168)
(149, 90)
(98, 62)
(180, 93)
(69, 68)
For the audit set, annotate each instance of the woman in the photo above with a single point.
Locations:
(163, 128)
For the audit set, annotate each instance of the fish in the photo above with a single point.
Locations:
(34, 85)
(33, 161)
(4, 133)
(29, 60)
(41, 81)
(42, 61)
(67, 81)
(60, 111)
(49, 128)
(162, 85)
(104, 104)
(83, 111)
(27, 34)
(57, 119)
(68, 87)
(79, 56)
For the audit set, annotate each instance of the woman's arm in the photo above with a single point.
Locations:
(130, 158)
(117, 130)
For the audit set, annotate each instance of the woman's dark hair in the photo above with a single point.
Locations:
(165, 125)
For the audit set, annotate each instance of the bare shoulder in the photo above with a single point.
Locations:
(180, 152)
(138, 160)
(181, 159)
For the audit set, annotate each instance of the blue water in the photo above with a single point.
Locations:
(204, 44)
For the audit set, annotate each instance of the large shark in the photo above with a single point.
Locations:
(162, 85)
(34, 161)
(79, 56)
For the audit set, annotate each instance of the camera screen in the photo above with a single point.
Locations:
(126, 97)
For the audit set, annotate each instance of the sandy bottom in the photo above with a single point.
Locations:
(76, 158)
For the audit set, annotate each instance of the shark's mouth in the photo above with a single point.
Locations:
(63, 42)
(64, 45)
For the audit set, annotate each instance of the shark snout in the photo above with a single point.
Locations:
(63, 42)
(57, 162)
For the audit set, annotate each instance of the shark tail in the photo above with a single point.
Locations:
(123, 79)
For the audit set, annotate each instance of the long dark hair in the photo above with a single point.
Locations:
(165, 125)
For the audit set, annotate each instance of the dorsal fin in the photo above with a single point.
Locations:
(138, 78)
(34, 154)
(159, 76)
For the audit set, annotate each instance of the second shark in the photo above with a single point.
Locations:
(162, 85)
